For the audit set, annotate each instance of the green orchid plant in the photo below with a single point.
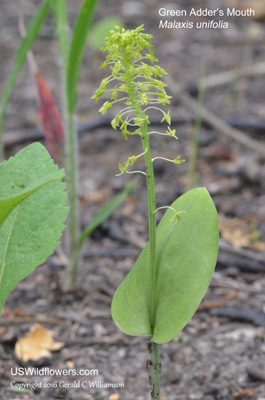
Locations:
(171, 275)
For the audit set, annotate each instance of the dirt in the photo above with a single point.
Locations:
(220, 354)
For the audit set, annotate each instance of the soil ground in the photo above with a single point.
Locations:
(220, 355)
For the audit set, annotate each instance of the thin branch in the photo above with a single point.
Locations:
(213, 120)
(224, 78)
(13, 137)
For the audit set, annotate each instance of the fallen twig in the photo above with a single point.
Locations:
(21, 136)
(213, 120)
(90, 341)
(225, 282)
(254, 317)
(224, 78)
(244, 259)
(204, 306)
(29, 320)
(113, 253)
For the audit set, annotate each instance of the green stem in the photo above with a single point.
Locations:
(139, 113)
(71, 174)
(71, 149)
(153, 347)
(71, 155)
(151, 218)
(155, 366)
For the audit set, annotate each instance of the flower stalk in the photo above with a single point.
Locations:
(131, 58)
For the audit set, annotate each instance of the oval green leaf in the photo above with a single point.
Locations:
(187, 251)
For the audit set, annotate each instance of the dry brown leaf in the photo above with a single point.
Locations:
(241, 233)
(70, 364)
(114, 396)
(37, 344)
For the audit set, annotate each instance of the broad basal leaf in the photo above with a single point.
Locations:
(186, 255)
(7, 204)
(32, 212)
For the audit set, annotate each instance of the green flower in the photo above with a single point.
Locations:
(106, 106)
(167, 118)
(171, 132)
(144, 99)
(178, 161)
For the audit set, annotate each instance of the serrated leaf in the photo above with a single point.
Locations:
(186, 256)
(8, 204)
(33, 215)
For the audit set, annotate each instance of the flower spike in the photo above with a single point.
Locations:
(130, 54)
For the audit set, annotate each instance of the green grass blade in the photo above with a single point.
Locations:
(60, 17)
(21, 55)
(77, 48)
(105, 212)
